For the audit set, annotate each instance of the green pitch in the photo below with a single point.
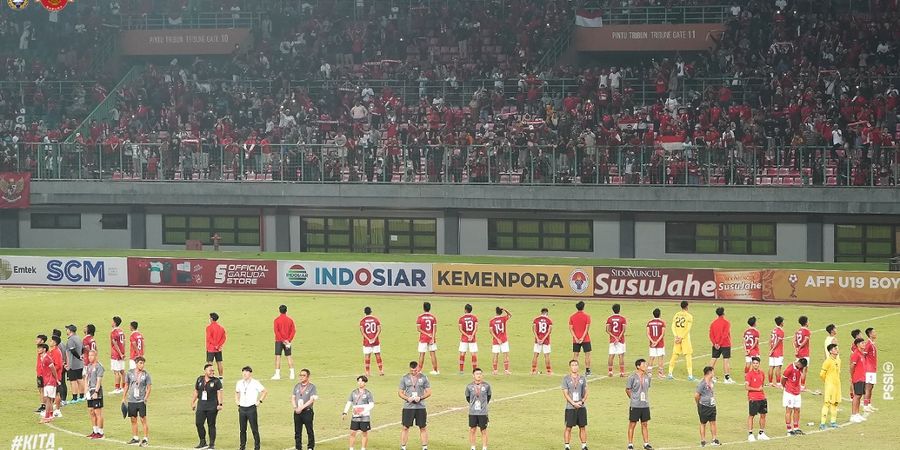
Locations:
(526, 411)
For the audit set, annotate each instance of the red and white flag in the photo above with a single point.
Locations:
(15, 190)
(589, 18)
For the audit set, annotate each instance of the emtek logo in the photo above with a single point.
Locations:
(296, 275)
(76, 271)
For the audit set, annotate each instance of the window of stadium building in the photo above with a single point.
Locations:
(114, 221)
(865, 243)
(233, 230)
(545, 235)
(56, 221)
(720, 238)
(368, 235)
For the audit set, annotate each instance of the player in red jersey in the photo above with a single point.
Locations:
(88, 342)
(541, 327)
(751, 343)
(857, 378)
(801, 345)
(426, 325)
(656, 333)
(720, 338)
(48, 379)
(38, 340)
(791, 381)
(615, 328)
(776, 352)
(117, 354)
(871, 369)
(137, 344)
(370, 328)
(754, 380)
(215, 342)
(468, 328)
(56, 353)
(285, 331)
(500, 340)
(580, 329)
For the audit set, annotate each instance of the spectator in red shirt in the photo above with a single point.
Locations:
(720, 337)
(284, 334)
(215, 340)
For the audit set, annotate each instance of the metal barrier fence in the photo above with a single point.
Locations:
(625, 165)
(193, 21)
(663, 15)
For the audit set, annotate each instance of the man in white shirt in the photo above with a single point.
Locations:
(248, 394)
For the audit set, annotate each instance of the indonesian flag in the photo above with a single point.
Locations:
(15, 190)
(589, 19)
(671, 143)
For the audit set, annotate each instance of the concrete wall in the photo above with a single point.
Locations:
(91, 234)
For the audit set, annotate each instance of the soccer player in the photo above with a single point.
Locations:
(206, 402)
(681, 328)
(426, 325)
(302, 399)
(370, 328)
(500, 339)
(751, 343)
(831, 338)
(215, 341)
(88, 342)
(49, 381)
(705, 398)
(580, 329)
(637, 388)
(414, 389)
(790, 382)
(468, 327)
(284, 335)
(754, 380)
(360, 402)
(720, 337)
(249, 393)
(541, 327)
(858, 378)
(57, 355)
(137, 345)
(117, 354)
(656, 333)
(93, 374)
(831, 376)
(74, 364)
(137, 392)
(615, 328)
(478, 395)
(801, 346)
(776, 352)
(574, 387)
(38, 340)
(871, 352)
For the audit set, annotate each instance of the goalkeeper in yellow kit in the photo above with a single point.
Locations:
(681, 327)
(831, 375)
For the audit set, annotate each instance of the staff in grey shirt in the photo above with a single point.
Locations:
(574, 387)
(94, 377)
(705, 398)
(303, 397)
(478, 394)
(414, 389)
(73, 363)
(637, 388)
(361, 401)
(137, 392)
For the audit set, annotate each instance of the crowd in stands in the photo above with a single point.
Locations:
(808, 94)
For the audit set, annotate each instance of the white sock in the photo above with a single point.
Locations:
(277, 372)
(100, 430)
(134, 437)
(292, 371)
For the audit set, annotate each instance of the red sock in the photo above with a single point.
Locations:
(462, 362)
(494, 365)
(746, 369)
(621, 368)
(548, 367)
(610, 368)
(770, 377)
(474, 360)
(788, 425)
(796, 425)
(534, 366)
(378, 360)
(506, 365)
(368, 362)
(865, 402)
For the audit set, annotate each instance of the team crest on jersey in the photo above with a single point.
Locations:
(54, 5)
(17, 5)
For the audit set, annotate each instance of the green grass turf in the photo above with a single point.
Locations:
(526, 412)
(395, 257)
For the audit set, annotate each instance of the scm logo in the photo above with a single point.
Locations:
(76, 271)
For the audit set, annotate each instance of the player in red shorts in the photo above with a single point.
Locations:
(370, 328)
(541, 327)
(468, 329)
(791, 381)
(776, 352)
(500, 340)
(426, 325)
(615, 328)
(751, 343)
(580, 329)
(801, 345)
(137, 344)
(117, 354)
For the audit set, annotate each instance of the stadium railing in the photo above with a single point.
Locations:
(103, 110)
(451, 164)
(192, 20)
(663, 15)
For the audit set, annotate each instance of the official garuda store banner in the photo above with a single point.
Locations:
(512, 279)
(202, 273)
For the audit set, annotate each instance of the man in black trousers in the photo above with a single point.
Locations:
(302, 399)
(207, 402)
(249, 394)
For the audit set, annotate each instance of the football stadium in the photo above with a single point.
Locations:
(473, 224)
